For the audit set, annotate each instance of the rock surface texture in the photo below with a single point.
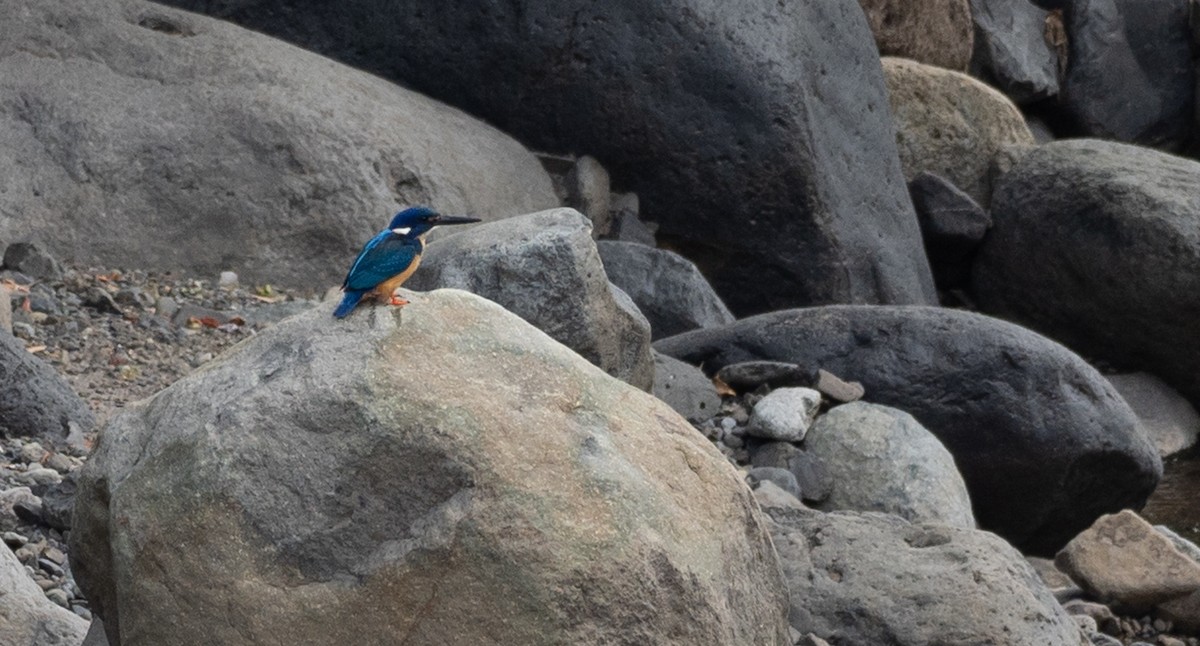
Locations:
(444, 474)
(952, 226)
(781, 177)
(35, 401)
(868, 578)
(1122, 559)
(881, 459)
(27, 617)
(1044, 443)
(951, 124)
(667, 288)
(934, 32)
(1130, 74)
(544, 267)
(173, 141)
(1011, 50)
(1097, 245)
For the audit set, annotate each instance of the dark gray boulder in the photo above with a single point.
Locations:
(1011, 51)
(32, 260)
(756, 133)
(1097, 244)
(667, 288)
(1043, 441)
(871, 578)
(1130, 75)
(35, 401)
(952, 226)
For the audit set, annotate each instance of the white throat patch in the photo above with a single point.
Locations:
(402, 231)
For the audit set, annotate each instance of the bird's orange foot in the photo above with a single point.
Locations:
(397, 301)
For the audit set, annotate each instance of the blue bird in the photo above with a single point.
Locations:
(388, 259)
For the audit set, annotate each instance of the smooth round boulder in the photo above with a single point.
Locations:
(950, 124)
(1097, 244)
(881, 459)
(439, 474)
(1043, 441)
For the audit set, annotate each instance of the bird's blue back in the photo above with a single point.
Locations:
(384, 256)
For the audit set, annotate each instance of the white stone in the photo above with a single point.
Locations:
(785, 414)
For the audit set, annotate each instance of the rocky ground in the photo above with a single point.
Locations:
(117, 336)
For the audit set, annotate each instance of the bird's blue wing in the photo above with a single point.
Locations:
(384, 256)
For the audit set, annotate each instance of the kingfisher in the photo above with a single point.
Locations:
(389, 258)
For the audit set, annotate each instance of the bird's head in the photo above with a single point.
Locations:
(418, 220)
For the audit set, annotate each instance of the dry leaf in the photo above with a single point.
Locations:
(723, 388)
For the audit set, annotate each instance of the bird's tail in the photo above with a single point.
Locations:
(349, 300)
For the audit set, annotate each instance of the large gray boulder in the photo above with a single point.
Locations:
(667, 287)
(881, 459)
(1011, 51)
(172, 141)
(27, 617)
(870, 578)
(35, 401)
(1097, 244)
(439, 474)
(544, 267)
(755, 133)
(1044, 443)
(1130, 74)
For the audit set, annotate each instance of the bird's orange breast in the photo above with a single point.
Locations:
(384, 290)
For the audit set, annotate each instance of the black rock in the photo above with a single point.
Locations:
(1130, 73)
(35, 401)
(748, 376)
(1097, 244)
(29, 511)
(759, 138)
(58, 503)
(667, 288)
(30, 258)
(1044, 442)
(952, 226)
(1011, 50)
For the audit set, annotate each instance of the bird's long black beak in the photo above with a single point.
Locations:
(443, 220)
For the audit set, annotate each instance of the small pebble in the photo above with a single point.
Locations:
(40, 475)
(61, 463)
(51, 568)
(228, 280)
(55, 555)
(13, 539)
(32, 452)
(82, 612)
(58, 596)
